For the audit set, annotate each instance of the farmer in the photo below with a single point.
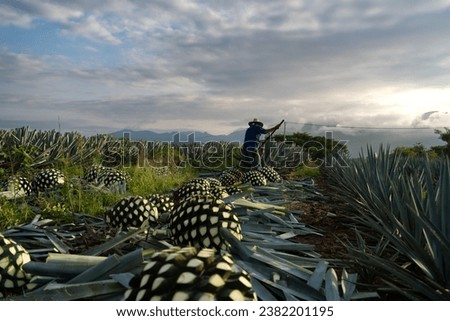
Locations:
(251, 158)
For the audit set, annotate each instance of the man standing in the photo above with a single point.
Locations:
(251, 158)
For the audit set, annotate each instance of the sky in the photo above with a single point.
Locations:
(98, 66)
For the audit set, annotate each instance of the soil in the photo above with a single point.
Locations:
(328, 216)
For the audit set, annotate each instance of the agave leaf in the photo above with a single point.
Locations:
(281, 264)
(276, 219)
(331, 286)
(129, 261)
(348, 284)
(119, 239)
(261, 291)
(295, 247)
(70, 292)
(52, 269)
(74, 259)
(236, 246)
(287, 235)
(99, 271)
(304, 293)
(289, 297)
(123, 278)
(426, 288)
(259, 205)
(253, 229)
(316, 279)
(364, 295)
(60, 246)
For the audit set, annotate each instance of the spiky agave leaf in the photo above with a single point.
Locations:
(404, 201)
(12, 257)
(197, 222)
(181, 274)
(132, 211)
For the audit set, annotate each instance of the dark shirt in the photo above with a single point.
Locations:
(251, 139)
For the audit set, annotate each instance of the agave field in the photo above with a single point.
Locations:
(98, 218)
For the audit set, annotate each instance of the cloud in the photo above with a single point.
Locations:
(436, 119)
(94, 29)
(215, 65)
(23, 12)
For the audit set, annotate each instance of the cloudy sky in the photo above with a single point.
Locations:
(103, 65)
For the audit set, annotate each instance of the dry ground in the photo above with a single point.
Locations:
(327, 216)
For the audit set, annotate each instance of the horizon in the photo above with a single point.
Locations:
(356, 143)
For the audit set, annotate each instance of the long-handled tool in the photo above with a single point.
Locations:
(267, 138)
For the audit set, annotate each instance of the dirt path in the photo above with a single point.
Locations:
(326, 216)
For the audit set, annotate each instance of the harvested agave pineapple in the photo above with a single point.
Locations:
(213, 182)
(12, 257)
(163, 202)
(255, 178)
(201, 181)
(270, 173)
(93, 173)
(227, 179)
(197, 222)
(48, 179)
(15, 187)
(181, 274)
(132, 211)
(114, 180)
(188, 190)
(236, 172)
(219, 192)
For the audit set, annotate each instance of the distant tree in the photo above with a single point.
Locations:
(315, 147)
(444, 135)
(418, 150)
(434, 151)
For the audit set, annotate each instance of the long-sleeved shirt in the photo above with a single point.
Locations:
(251, 139)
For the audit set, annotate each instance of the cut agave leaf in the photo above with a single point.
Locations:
(348, 284)
(98, 271)
(332, 286)
(70, 292)
(119, 239)
(316, 280)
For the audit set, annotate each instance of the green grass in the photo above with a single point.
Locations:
(75, 197)
(14, 212)
(304, 171)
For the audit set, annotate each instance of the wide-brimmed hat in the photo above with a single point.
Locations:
(256, 121)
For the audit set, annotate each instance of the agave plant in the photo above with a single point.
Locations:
(400, 207)
(23, 147)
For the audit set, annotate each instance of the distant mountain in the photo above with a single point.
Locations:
(357, 141)
(183, 136)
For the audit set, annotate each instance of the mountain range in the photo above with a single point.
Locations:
(181, 136)
(357, 141)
